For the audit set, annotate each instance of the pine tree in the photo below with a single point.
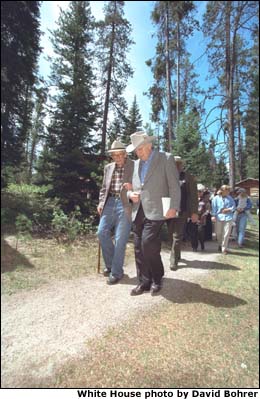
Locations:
(122, 128)
(116, 130)
(220, 174)
(134, 120)
(192, 149)
(113, 43)
(175, 23)
(251, 118)
(251, 123)
(20, 35)
(37, 131)
(225, 23)
(73, 121)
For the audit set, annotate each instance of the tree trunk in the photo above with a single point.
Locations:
(107, 97)
(240, 141)
(230, 99)
(168, 82)
(178, 74)
(106, 106)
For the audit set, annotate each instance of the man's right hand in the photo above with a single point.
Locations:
(134, 197)
(99, 210)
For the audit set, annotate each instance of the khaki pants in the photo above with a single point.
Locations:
(223, 230)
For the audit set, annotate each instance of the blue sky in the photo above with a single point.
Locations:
(138, 14)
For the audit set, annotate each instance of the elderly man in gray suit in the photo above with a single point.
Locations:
(155, 176)
(115, 211)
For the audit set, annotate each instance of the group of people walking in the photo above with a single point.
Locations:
(131, 198)
(231, 211)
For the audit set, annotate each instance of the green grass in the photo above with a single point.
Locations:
(206, 337)
(209, 341)
(38, 261)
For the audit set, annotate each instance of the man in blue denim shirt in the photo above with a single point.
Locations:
(223, 206)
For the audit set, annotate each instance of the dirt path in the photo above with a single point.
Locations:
(43, 328)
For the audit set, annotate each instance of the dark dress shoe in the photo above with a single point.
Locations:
(139, 289)
(106, 272)
(155, 288)
(112, 280)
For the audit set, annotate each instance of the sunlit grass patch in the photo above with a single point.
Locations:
(38, 261)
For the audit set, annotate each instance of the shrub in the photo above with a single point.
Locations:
(30, 201)
(46, 214)
(67, 228)
(23, 227)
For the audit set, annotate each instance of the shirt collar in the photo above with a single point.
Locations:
(119, 167)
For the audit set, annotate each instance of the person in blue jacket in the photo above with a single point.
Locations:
(242, 218)
(223, 207)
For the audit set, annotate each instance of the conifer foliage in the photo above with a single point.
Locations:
(134, 120)
(74, 107)
(20, 35)
(113, 43)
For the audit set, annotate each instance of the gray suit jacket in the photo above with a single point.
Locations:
(108, 172)
(161, 180)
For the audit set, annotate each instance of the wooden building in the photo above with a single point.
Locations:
(250, 185)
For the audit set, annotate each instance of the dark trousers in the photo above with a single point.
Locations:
(208, 228)
(176, 231)
(147, 242)
(197, 234)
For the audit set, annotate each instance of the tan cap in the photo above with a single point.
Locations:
(116, 147)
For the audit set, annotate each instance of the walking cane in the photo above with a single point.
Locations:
(99, 253)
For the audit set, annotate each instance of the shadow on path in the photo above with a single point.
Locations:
(181, 291)
(198, 264)
(12, 259)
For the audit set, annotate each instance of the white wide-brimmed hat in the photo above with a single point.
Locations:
(116, 146)
(138, 139)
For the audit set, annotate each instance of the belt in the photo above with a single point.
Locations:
(116, 195)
